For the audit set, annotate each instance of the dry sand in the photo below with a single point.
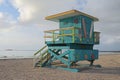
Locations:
(22, 69)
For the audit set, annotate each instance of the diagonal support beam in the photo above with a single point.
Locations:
(60, 57)
(63, 54)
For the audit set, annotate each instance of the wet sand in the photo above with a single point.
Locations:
(22, 69)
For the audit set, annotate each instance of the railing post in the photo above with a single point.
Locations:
(62, 33)
(53, 36)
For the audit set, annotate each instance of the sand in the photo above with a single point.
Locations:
(22, 69)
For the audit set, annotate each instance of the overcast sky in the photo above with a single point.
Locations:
(22, 21)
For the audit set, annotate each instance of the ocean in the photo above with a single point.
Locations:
(30, 53)
(17, 54)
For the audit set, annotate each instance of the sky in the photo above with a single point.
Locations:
(22, 22)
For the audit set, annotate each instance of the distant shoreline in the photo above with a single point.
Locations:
(7, 58)
(109, 51)
(36, 50)
(18, 50)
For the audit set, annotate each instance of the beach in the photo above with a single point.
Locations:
(22, 69)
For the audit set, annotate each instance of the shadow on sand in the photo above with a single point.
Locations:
(103, 70)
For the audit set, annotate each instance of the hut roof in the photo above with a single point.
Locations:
(57, 17)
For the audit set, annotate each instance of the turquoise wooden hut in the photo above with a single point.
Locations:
(72, 42)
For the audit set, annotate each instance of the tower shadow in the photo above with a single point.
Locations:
(103, 70)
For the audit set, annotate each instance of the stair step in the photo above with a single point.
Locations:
(44, 56)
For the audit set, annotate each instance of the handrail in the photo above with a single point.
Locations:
(40, 50)
(37, 58)
(70, 28)
(54, 35)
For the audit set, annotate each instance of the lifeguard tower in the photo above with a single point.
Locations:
(72, 42)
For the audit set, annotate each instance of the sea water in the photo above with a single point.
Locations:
(16, 54)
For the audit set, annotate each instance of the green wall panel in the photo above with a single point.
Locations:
(76, 21)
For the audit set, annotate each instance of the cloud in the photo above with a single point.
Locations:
(34, 11)
(6, 22)
(1, 15)
(17, 36)
(107, 11)
(27, 31)
(108, 14)
(80, 4)
(1, 1)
